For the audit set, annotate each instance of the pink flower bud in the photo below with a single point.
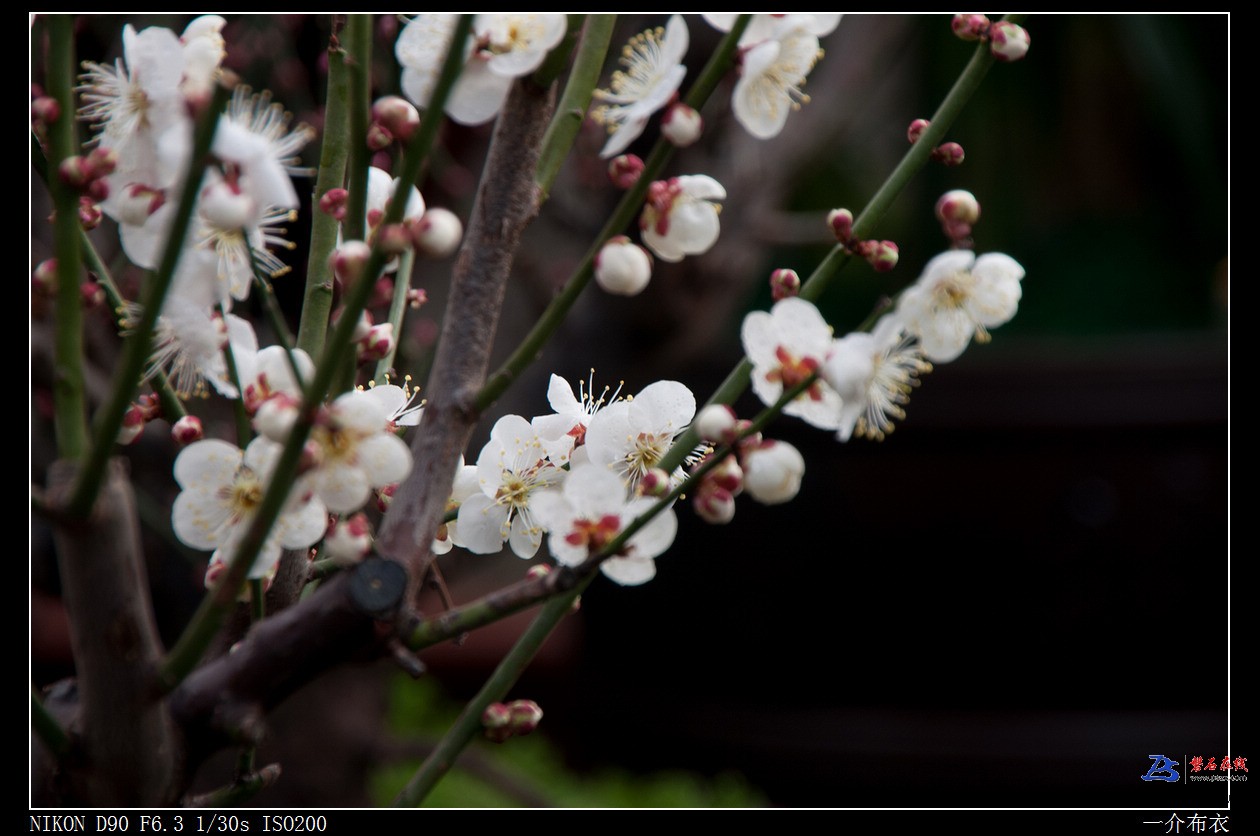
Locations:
(624, 171)
(74, 172)
(98, 189)
(496, 715)
(44, 277)
(969, 26)
(623, 268)
(716, 422)
(377, 343)
(950, 154)
(784, 284)
(958, 206)
(525, 716)
(45, 110)
(727, 475)
(187, 430)
(714, 505)
(1007, 41)
(883, 256)
(349, 259)
(89, 213)
(349, 541)
(416, 297)
(681, 125)
(538, 570)
(437, 233)
(93, 295)
(101, 162)
(397, 116)
(841, 223)
(379, 137)
(654, 483)
(384, 496)
(132, 425)
(916, 129)
(150, 405)
(333, 202)
(394, 239)
(773, 472)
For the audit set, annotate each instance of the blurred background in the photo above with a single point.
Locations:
(1013, 600)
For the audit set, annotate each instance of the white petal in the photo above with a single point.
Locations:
(525, 539)
(629, 571)
(481, 522)
(304, 525)
(206, 464)
(342, 487)
(478, 95)
(200, 518)
(385, 459)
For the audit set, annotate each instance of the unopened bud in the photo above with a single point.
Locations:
(538, 570)
(784, 284)
(841, 223)
(333, 202)
(45, 110)
(624, 170)
(187, 430)
(312, 456)
(101, 162)
(714, 505)
(773, 472)
(97, 189)
(349, 541)
(1007, 41)
(276, 416)
(525, 716)
(969, 26)
(654, 483)
(397, 115)
(150, 405)
(916, 129)
(883, 256)
(681, 125)
(727, 475)
(89, 213)
(132, 425)
(623, 268)
(377, 343)
(715, 422)
(378, 137)
(44, 276)
(949, 153)
(384, 496)
(958, 205)
(92, 294)
(437, 232)
(416, 297)
(496, 719)
(74, 172)
(349, 259)
(394, 239)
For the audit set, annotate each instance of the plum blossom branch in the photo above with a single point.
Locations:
(915, 158)
(359, 60)
(215, 606)
(397, 307)
(622, 215)
(136, 349)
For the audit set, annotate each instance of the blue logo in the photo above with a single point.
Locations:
(1162, 769)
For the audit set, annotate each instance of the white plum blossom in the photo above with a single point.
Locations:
(680, 217)
(188, 345)
(204, 49)
(502, 48)
(959, 296)
(653, 70)
(623, 268)
(254, 136)
(786, 346)
(268, 372)
(874, 374)
(398, 403)
(221, 489)
(632, 436)
(511, 468)
(356, 451)
(777, 54)
(590, 511)
(564, 429)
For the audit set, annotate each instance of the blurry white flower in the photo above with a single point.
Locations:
(773, 472)
(653, 69)
(959, 296)
(356, 452)
(874, 373)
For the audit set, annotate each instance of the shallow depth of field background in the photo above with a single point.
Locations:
(1013, 600)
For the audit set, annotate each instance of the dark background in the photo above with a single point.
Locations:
(1023, 592)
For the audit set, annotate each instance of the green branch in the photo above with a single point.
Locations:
(69, 403)
(359, 35)
(397, 307)
(571, 109)
(136, 348)
(317, 302)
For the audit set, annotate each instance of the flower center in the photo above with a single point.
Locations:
(514, 492)
(648, 449)
(594, 534)
(793, 371)
(245, 493)
(953, 290)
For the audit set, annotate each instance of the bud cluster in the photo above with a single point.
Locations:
(769, 471)
(949, 153)
(958, 211)
(1007, 41)
(881, 255)
(515, 719)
